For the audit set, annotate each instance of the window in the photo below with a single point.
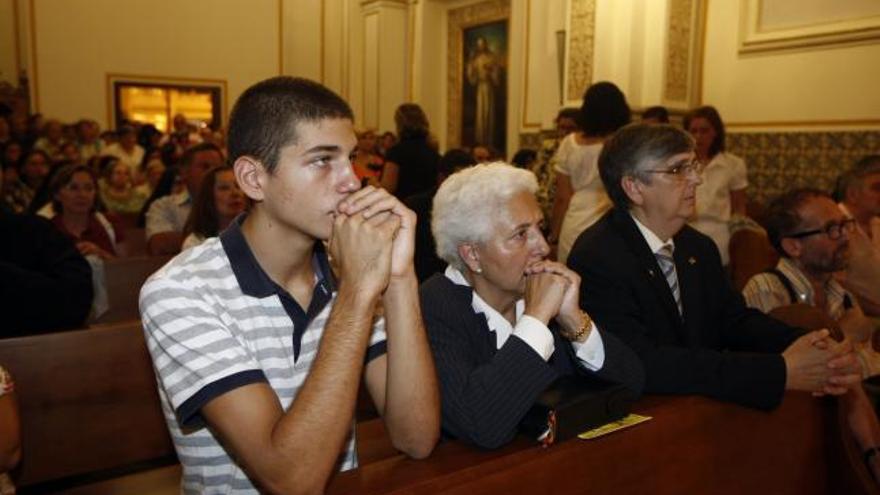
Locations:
(158, 103)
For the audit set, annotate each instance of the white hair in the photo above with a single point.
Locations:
(468, 201)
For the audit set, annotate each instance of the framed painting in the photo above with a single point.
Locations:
(478, 64)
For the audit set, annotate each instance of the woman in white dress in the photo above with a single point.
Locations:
(580, 197)
(723, 191)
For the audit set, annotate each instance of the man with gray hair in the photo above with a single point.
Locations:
(859, 191)
(659, 285)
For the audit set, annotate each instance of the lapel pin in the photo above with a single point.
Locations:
(651, 272)
(692, 260)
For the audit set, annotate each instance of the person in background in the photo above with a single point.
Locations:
(655, 115)
(386, 142)
(117, 189)
(482, 154)
(524, 158)
(32, 172)
(859, 198)
(10, 432)
(659, 285)
(127, 151)
(47, 284)
(367, 162)
(51, 140)
(812, 237)
(217, 204)
(87, 137)
(153, 171)
(70, 153)
(411, 165)
(723, 191)
(74, 191)
(580, 197)
(566, 123)
(503, 322)
(426, 261)
(167, 216)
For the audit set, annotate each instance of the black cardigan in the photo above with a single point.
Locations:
(486, 391)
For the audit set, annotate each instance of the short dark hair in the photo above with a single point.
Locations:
(660, 113)
(63, 177)
(190, 154)
(709, 113)
(411, 121)
(782, 218)
(266, 115)
(524, 157)
(855, 177)
(630, 148)
(454, 160)
(569, 113)
(604, 110)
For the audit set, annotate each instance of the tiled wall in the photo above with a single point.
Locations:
(780, 161)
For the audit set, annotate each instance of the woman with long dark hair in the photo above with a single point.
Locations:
(217, 204)
(723, 191)
(580, 197)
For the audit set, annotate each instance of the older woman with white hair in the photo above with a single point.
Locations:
(503, 322)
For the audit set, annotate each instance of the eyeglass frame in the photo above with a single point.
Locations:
(848, 225)
(681, 170)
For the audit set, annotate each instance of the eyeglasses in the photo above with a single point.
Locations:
(681, 170)
(834, 231)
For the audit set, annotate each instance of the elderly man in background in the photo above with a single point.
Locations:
(860, 199)
(659, 285)
(167, 216)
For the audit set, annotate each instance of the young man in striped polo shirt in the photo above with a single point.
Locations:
(258, 347)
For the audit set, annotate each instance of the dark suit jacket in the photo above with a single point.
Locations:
(720, 348)
(486, 391)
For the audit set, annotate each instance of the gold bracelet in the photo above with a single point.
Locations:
(585, 326)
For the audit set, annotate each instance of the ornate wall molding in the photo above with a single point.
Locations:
(780, 161)
(678, 49)
(581, 31)
(458, 20)
(683, 61)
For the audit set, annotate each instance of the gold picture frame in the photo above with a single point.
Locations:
(460, 20)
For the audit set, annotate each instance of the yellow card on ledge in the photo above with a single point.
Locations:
(631, 420)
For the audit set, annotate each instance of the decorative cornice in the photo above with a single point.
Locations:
(580, 47)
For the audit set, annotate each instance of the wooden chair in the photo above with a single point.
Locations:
(750, 253)
(123, 278)
(89, 404)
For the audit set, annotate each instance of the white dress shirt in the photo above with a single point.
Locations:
(590, 353)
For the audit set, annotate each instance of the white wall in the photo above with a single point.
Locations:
(8, 43)
(79, 42)
(824, 87)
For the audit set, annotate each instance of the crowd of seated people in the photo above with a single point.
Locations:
(639, 295)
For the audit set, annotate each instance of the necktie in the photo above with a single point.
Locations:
(667, 264)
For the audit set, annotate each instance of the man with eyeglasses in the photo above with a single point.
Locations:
(660, 286)
(811, 235)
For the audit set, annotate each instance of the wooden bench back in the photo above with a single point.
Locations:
(88, 402)
(123, 278)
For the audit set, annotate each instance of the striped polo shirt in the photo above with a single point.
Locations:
(215, 321)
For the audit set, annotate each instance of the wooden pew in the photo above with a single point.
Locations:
(134, 243)
(89, 405)
(693, 445)
(123, 278)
